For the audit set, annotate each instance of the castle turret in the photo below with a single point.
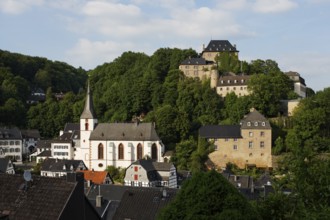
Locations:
(214, 78)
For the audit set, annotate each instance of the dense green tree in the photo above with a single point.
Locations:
(267, 90)
(235, 108)
(208, 196)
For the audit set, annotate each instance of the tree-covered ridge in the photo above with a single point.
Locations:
(21, 74)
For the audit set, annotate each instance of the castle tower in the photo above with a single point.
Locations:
(214, 78)
(88, 123)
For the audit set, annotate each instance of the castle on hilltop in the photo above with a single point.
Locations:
(206, 67)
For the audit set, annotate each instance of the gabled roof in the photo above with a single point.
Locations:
(43, 198)
(97, 177)
(220, 131)
(71, 127)
(31, 133)
(220, 46)
(44, 144)
(196, 61)
(233, 80)
(239, 181)
(10, 134)
(4, 164)
(150, 165)
(143, 203)
(255, 120)
(45, 153)
(125, 131)
(56, 165)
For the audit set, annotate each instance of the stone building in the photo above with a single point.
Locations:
(247, 144)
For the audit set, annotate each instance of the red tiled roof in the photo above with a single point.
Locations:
(97, 177)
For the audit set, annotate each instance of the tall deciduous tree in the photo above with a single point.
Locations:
(208, 196)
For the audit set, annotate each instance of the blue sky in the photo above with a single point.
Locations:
(88, 33)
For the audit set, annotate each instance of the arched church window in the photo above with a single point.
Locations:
(154, 152)
(120, 152)
(139, 152)
(100, 151)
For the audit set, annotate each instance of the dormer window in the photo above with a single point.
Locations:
(235, 81)
(242, 81)
(64, 167)
(255, 123)
(249, 124)
(263, 123)
(228, 81)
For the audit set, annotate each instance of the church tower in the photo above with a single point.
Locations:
(88, 122)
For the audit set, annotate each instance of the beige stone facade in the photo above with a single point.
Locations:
(248, 144)
(233, 83)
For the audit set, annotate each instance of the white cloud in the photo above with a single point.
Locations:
(233, 4)
(92, 53)
(312, 66)
(273, 6)
(18, 6)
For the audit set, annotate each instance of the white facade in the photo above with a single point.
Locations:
(62, 151)
(12, 149)
(111, 155)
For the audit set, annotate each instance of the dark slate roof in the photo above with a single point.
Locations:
(64, 138)
(71, 127)
(255, 120)
(296, 76)
(196, 61)
(3, 164)
(44, 144)
(44, 198)
(233, 80)
(32, 133)
(125, 131)
(150, 165)
(51, 164)
(239, 181)
(143, 203)
(109, 192)
(89, 107)
(264, 179)
(220, 131)
(220, 46)
(45, 153)
(10, 133)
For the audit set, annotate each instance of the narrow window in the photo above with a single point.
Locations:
(139, 152)
(100, 151)
(154, 152)
(235, 147)
(262, 144)
(120, 152)
(250, 144)
(262, 133)
(250, 134)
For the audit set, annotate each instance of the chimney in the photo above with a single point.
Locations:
(203, 47)
(164, 193)
(99, 199)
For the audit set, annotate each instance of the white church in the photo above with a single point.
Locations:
(107, 144)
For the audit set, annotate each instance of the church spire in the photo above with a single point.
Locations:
(88, 112)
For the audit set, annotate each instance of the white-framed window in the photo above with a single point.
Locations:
(256, 123)
(249, 124)
(263, 123)
(250, 134)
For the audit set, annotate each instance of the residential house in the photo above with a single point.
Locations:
(147, 173)
(96, 177)
(43, 151)
(115, 144)
(56, 168)
(6, 166)
(126, 202)
(36, 96)
(247, 144)
(11, 143)
(39, 197)
(143, 203)
(30, 139)
(298, 82)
